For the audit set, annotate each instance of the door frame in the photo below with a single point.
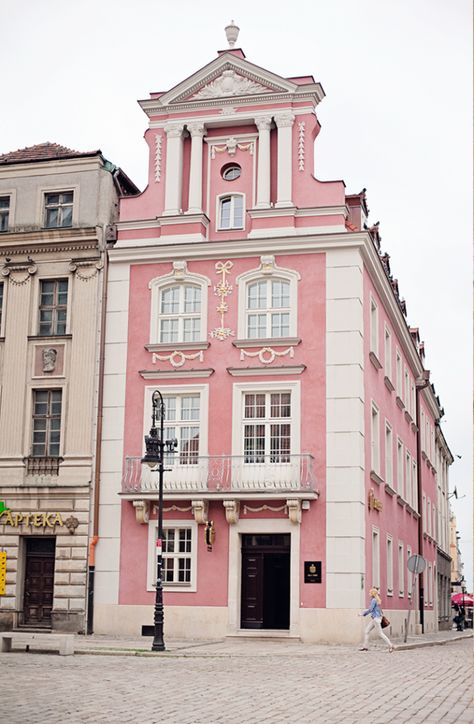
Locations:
(24, 569)
(262, 525)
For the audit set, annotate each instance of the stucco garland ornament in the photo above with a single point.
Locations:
(177, 358)
(85, 270)
(230, 84)
(231, 145)
(19, 273)
(266, 355)
(222, 290)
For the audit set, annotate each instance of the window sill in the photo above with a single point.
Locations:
(231, 228)
(399, 402)
(390, 592)
(408, 417)
(166, 346)
(267, 341)
(400, 501)
(48, 336)
(388, 384)
(375, 477)
(414, 427)
(375, 361)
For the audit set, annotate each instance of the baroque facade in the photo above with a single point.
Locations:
(257, 299)
(55, 205)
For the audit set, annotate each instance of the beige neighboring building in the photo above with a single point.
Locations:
(444, 459)
(56, 206)
(457, 566)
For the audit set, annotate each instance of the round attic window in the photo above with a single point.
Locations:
(231, 172)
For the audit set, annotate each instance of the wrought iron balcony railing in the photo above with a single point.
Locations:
(224, 474)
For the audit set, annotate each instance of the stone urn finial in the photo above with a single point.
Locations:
(232, 33)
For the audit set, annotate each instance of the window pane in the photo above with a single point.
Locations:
(184, 570)
(170, 300)
(66, 216)
(225, 214)
(66, 198)
(169, 330)
(254, 443)
(4, 202)
(51, 218)
(280, 324)
(185, 540)
(191, 329)
(257, 326)
(168, 540)
(254, 405)
(52, 199)
(238, 211)
(280, 294)
(257, 295)
(168, 570)
(192, 299)
(280, 404)
(170, 408)
(190, 408)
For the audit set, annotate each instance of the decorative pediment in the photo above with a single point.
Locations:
(229, 83)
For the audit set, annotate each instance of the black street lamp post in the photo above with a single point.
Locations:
(155, 453)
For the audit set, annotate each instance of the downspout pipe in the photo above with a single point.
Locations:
(98, 446)
(420, 384)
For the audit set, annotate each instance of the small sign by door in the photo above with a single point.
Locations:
(312, 572)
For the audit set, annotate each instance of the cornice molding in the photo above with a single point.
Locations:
(166, 374)
(266, 371)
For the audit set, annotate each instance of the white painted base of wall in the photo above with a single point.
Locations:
(334, 626)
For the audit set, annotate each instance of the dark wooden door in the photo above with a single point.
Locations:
(252, 590)
(39, 581)
(265, 597)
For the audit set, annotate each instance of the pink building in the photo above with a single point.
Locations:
(256, 299)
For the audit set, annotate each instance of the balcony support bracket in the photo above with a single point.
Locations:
(142, 511)
(232, 510)
(294, 510)
(200, 511)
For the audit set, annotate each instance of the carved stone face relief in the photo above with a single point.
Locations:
(49, 356)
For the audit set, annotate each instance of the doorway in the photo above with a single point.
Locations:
(39, 581)
(265, 599)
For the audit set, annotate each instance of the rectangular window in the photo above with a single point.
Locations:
(424, 513)
(268, 309)
(389, 566)
(401, 570)
(430, 585)
(388, 353)
(267, 427)
(46, 423)
(408, 478)
(375, 558)
(406, 398)
(413, 400)
(375, 430)
(428, 516)
(409, 575)
(182, 421)
(414, 485)
(179, 555)
(388, 455)
(400, 467)
(399, 376)
(4, 213)
(374, 327)
(1, 305)
(58, 209)
(422, 431)
(231, 212)
(53, 307)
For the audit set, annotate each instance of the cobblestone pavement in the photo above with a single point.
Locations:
(250, 682)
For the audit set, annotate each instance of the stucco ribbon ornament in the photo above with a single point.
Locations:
(222, 290)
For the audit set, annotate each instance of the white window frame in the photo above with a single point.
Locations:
(41, 203)
(422, 431)
(429, 602)
(399, 371)
(389, 454)
(428, 516)
(388, 352)
(375, 438)
(414, 484)
(239, 390)
(157, 285)
(409, 575)
(389, 565)
(11, 209)
(408, 477)
(375, 557)
(267, 272)
(152, 555)
(400, 468)
(232, 195)
(406, 390)
(401, 570)
(374, 326)
(268, 310)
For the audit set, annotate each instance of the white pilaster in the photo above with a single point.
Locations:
(284, 123)
(263, 176)
(174, 168)
(195, 174)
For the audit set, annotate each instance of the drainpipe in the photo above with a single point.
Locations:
(98, 449)
(420, 384)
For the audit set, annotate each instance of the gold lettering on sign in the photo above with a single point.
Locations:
(37, 519)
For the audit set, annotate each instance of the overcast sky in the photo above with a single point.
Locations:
(397, 119)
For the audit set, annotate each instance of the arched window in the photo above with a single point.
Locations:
(231, 212)
(179, 307)
(180, 313)
(268, 309)
(268, 302)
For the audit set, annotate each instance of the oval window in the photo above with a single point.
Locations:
(231, 172)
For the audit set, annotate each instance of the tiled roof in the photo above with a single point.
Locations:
(42, 152)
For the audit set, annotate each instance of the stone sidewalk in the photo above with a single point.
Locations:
(243, 646)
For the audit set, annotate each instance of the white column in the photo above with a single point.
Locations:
(174, 168)
(263, 176)
(195, 174)
(284, 123)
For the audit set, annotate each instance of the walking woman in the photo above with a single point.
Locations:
(375, 613)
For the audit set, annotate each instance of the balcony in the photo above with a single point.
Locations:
(223, 476)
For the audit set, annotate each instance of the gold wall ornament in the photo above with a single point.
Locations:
(222, 290)
(374, 503)
(267, 355)
(177, 358)
(231, 146)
